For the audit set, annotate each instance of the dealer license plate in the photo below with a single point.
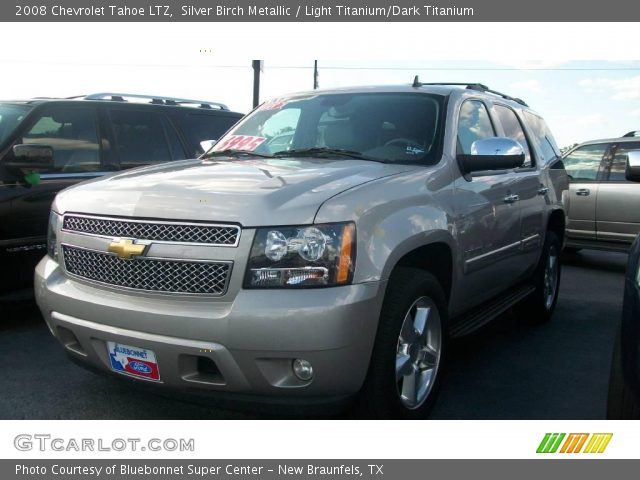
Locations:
(134, 361)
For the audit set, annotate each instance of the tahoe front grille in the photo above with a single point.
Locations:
(149, 274)
(216, 235)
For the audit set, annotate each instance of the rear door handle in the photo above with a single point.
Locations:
(513, 198)
(543, 190)
(583, 192)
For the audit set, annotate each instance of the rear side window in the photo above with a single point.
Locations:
(542, 137)
(584, 162)
(617, 168)
(199, 127)
(473, 124)
(513, 129)
(143, 138)
(72, 132)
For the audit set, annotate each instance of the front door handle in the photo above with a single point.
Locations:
(513, 198)
(583, 192)
(543, 190)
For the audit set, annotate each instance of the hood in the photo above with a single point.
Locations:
(249, 192)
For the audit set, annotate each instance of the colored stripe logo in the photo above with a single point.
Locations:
(574, 443)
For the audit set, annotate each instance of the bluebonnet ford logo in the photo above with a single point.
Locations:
(140, 367)
(134, 361)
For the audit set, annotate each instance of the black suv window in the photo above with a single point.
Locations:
(72, 132)
(473, 124)
(513, 129)
(143, 137)
(617, 168)
(584, 162)
(10, 118)
(199, 127)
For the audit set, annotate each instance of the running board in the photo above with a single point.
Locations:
(483, 314)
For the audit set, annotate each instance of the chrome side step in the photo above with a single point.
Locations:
(480, 316)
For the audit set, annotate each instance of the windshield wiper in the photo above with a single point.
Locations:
(235, 153)
(320, 151)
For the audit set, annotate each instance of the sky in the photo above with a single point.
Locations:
(581, 100)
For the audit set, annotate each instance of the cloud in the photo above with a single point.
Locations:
(619, 89)
(583, 120)
(635, 113)
(528, 85)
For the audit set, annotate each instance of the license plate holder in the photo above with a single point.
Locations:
(133, 361)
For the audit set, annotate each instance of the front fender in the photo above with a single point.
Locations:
(396, 236)
(394, 217)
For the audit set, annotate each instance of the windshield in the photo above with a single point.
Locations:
(10, 118)
(393, 127)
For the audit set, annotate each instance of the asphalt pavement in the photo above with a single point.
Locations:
(509, 370)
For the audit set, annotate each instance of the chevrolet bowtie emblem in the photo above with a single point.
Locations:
(125, 248)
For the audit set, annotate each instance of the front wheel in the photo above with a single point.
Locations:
(539, 306)
(409, 351)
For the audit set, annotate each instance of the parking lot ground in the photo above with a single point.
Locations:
(509, 370)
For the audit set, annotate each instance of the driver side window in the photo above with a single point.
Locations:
(584, 163)
(72, 133)
(473, 124)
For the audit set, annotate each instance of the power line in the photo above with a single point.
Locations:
(462, 69)
(347, 68)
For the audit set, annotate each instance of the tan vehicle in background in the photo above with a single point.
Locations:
(603, 202)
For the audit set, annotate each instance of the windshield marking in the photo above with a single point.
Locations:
(239, 142)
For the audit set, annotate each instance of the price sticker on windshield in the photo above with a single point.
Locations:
(275, 104)
(239, 142)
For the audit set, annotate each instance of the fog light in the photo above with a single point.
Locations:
(302, 369)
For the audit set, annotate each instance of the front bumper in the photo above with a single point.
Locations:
(251, 340)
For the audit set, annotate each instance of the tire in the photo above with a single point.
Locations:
(621, 402)
(539, 306)
(414, 298)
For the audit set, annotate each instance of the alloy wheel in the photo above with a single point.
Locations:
(551, 277)
(418, 353)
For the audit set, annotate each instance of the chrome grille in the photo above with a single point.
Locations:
(155, 275)
(220, 235)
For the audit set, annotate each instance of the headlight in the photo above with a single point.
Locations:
(298, 257)
(52, 234)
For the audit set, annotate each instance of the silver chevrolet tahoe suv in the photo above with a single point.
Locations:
(325, 250)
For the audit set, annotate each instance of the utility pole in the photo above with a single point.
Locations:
(256, 82)
(315, 75)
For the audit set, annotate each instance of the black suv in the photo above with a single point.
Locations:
(624, 383)
(49, 144)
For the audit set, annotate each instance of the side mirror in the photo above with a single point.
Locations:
(206, 145)
(495, 153)
(632, 171)
(31, 157)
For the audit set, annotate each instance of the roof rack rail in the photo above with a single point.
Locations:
(633, 133)
(155, 99)
(470, 86)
